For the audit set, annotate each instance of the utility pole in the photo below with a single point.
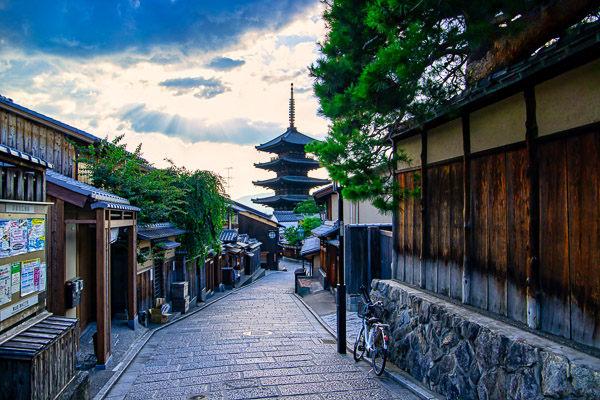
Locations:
(341, 287)
(229, 180)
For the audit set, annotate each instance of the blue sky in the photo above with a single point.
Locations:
(199, 82)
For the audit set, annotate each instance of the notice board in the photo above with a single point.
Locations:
(23, 268)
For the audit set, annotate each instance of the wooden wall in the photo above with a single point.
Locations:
(145, 290)
(499, 222)
(37, 140)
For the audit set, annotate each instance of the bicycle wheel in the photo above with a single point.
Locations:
(360, 345)
(379, 353)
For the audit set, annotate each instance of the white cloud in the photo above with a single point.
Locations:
(93, 94)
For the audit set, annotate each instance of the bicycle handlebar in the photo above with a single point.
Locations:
(365, 294)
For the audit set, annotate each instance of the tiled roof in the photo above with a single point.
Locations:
(158, 231)
(294, 198)
(327, 190)
(228, 235)
(307, 180)
(311, 244)
(243, 238)
(328, 228)
(290, 136)
(168, 244)
(306, 162)
(98, 197)
(287, 216)
(25, 156)
(574, 49)
(234, 205)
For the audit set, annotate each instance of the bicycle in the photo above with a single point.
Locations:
(372, 338)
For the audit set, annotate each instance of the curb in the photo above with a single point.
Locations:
(137, 346)
(397, 375)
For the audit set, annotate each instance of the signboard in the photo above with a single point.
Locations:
(18, 307)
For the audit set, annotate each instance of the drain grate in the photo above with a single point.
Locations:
(328, 341)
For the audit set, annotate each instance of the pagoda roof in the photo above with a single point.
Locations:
(290, 137)
(302, 180)
(299, 162)
(281, 199)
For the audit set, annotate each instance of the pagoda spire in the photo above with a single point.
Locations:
(292, 107)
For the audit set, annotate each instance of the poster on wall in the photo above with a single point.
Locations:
(4, 238)
(15, 269)
(5, 284)
(29, 281)
(42, 277)
(36, 234)
(18, 237)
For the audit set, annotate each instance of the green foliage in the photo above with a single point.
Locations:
(308, 224)
(308, 206)
(387, 64)
(293, 234)
(193, 200)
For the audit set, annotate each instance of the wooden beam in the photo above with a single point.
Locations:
(466, 270)
(102, 288)
(67, 195)
(61, 259)
(131, 276)
(80, 221)
(424, 231)
(533, 185)
(122, 223)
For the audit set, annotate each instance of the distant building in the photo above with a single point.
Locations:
(292, 183)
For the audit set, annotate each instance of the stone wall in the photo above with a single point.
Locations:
(463, 354)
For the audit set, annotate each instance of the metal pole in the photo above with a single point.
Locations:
(341, 287)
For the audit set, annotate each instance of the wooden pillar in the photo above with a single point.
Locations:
(395, 223)
(102, 291)
(466, 271)
(132, 306)
(59, 259)
(424, 230)
(533, 241)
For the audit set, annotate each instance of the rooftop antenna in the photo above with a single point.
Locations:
(292, 108)
(229, 180)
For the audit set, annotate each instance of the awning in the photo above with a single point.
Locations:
(168, 244)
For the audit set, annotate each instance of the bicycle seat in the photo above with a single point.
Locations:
(374, 320)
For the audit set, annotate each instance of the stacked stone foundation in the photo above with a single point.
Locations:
(462, 354)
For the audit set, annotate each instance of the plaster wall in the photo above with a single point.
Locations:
(412, 147)
(570, 100)
(368, 214)
(445, 142)
(499, 124)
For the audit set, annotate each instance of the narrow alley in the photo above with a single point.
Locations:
(259, 342)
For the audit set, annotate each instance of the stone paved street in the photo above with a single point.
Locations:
(259, 342)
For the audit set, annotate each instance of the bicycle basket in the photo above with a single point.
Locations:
(361, 309)
(378, 311)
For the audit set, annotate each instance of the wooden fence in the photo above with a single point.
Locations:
(368, 255)
(432, 237)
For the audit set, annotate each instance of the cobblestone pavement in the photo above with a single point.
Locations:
(259, 342)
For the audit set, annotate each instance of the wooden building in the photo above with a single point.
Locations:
(329, 251)
(156, 264)
(74, 227)
(259, 226)
(292, 183)
(37, 349)
(509, 216)
(93, 236)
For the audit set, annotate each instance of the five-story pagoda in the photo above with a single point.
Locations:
(291, 165)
